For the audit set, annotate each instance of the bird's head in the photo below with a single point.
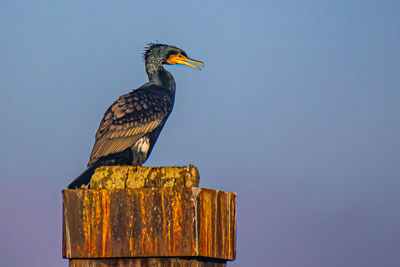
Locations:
(159, 54)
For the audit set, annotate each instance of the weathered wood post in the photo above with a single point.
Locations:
(144, 216)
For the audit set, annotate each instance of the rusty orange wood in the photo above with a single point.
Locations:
(153, 262)
(149, 222)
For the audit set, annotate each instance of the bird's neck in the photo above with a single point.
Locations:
(161, 77)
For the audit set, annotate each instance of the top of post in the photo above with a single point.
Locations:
(119, 177)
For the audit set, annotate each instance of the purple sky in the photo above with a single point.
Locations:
(297, 110)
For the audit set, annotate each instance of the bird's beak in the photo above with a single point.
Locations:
(181, 59)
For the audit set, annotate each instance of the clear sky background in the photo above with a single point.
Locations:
(297, 110)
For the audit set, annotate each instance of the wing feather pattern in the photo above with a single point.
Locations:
(130, 118)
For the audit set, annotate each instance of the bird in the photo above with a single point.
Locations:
(130, 127)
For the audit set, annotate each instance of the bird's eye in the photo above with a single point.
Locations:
(179, 55)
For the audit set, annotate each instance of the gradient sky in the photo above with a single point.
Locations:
(297, 110)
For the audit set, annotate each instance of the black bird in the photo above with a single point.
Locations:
(131, 125)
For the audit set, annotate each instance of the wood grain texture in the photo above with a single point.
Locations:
(149, 222)
(119, 177)
(147, 262)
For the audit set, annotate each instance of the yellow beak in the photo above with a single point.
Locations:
(181, 59)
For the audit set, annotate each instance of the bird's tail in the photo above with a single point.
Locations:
(83, 178)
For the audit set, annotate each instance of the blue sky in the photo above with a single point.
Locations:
(297, 110)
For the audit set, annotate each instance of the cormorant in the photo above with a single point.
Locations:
(131, 125)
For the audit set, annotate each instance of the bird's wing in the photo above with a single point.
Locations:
(128, 119)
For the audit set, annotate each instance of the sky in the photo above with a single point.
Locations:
(297, 110)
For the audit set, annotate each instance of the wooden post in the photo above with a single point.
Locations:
(133, 223)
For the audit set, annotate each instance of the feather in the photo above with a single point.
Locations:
(121, 127)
